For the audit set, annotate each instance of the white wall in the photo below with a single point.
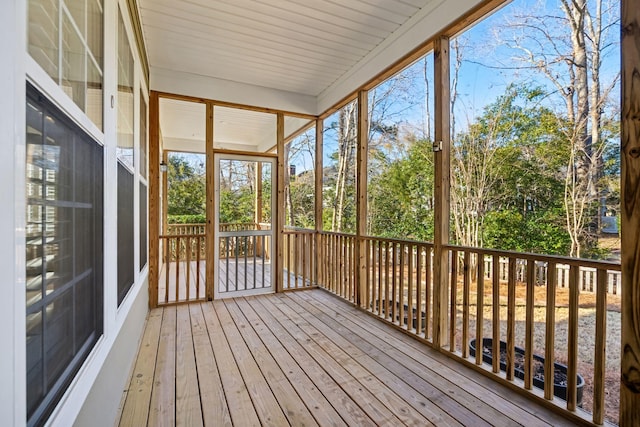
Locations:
(164, 80)
(12, 214)
(102, 404)
(95, 393)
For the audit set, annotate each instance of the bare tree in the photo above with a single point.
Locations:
(568, 50)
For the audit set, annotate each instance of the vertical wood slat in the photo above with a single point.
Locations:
(419, 288)
(479, 307)
(600, 356)
(166, 270)
(394, 282)
(427, 292)
(412, 311)
(495, 318)
(380, 287)
(529, 324)
(572, 350)
(453, 322)
(198, 257)
(178, 268)
(210, 232)
(368, 265)
(401, 285)
(549, 343)
(188, 243)
(386, 280)
(466, 291)
(511, 318)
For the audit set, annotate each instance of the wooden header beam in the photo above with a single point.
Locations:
(630, 214)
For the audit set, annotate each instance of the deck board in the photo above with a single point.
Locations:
(305, 359)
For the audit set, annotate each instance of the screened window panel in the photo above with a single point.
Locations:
(143, 226)
(126, 269)
(64, 265)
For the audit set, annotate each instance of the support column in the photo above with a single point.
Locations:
(361, 196)
(210, 231)
(165, 194)
(280, 210)
(319, 182)
(630, 214)
(154, 198)
(257, 217)
(442, 149)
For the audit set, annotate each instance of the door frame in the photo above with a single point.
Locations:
(258, 157)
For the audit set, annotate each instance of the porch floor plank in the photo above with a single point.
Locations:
(305, 359)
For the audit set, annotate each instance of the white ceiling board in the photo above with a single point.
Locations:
(246, 128)
(183, 125)
(299, 46)
(430, 20)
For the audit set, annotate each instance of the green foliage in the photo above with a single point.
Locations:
(187, 186)
(537, 232)
(187, 219)
(401, 196)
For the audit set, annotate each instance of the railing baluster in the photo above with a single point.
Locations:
(453, 321)
(572, 365)
(495, 321)
(411, 310)
(419, 289)
(177, 269)
(528, 347)
(386, 280)
(167, 265)
(600, 356)
(427, 292)
(198, 243)
(479, 307)
(549, 343)
(401, 285)
(466, 291)
(188, 265)
(511, 317)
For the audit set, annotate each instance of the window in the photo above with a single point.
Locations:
(143, 179)
(65, 38)
(125, 96)
(64, 265)
(126, 182)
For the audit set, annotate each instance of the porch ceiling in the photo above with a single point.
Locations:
(259, 52)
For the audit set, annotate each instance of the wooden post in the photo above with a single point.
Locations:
(165, 195)
(279, 206)
(442, 191)
(154, 197)
(210, 231)
(361, 196)
(319, 182)
(630, 214)
(257, 218)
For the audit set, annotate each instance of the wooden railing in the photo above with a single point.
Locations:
(182, 229)
(551, 309)
(182, 267)
(587, 276)
(300, 261)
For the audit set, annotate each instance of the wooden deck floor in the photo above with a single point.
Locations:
(304, 359)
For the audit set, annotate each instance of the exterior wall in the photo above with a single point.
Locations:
(12, 178)
(163, 80)
(95, 392)
(102, 404)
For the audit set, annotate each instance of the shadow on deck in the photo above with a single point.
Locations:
(304, 359)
